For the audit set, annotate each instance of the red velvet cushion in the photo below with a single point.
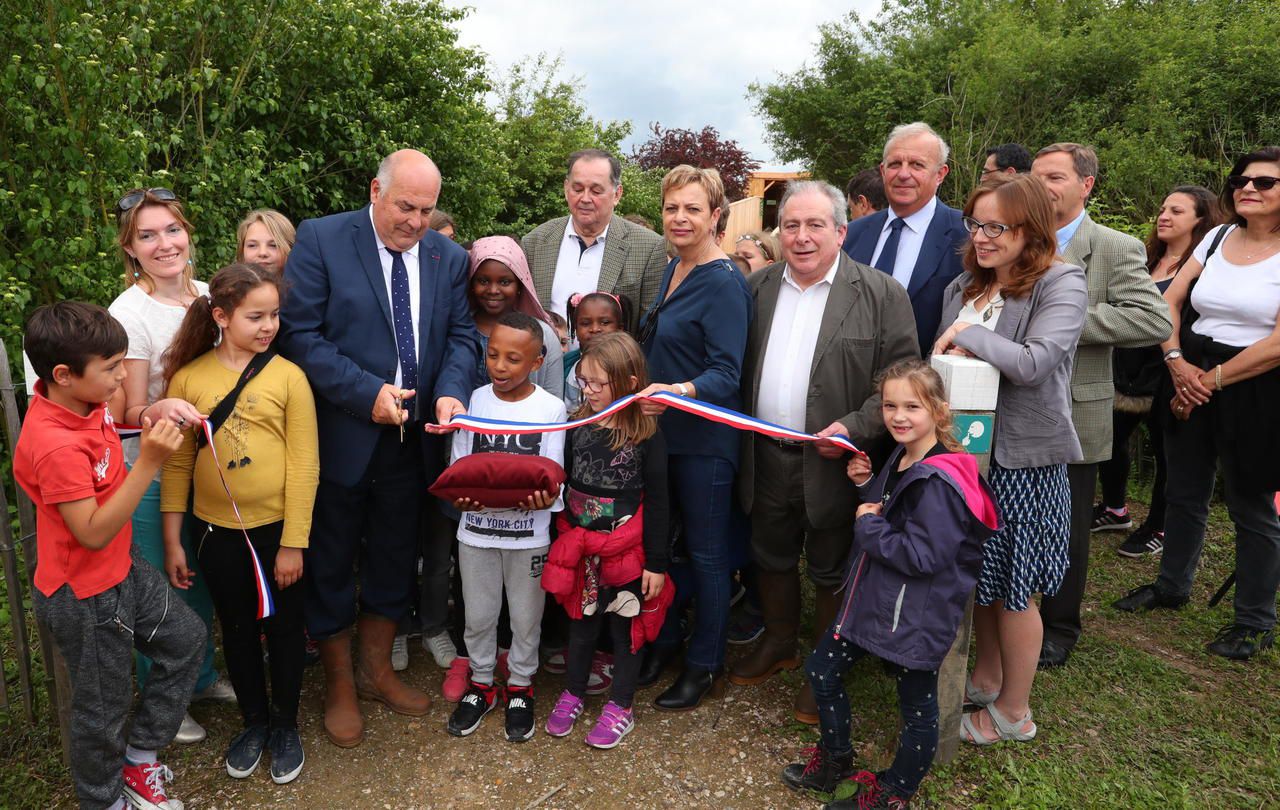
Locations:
(498, 480)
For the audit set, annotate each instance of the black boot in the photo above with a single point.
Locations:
(822, 772)
(656, 660)
(689, 690)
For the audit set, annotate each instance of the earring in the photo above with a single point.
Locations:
(190, 262)
(217, 341)
(136, 274)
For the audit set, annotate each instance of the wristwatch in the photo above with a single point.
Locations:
(683, 389)
(1172, 354)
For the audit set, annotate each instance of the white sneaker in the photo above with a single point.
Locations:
(190, 731)
(441, 648)
(400, 653)
(220, 691)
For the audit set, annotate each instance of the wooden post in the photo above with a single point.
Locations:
(57, 682)
(971, 387)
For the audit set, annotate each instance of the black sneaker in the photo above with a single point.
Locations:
(1141, 543)
(519, 713)
(245, 752)
(476, 702)
(287, 756)
(1104, 520)
(1147, 597)
(1240, 643)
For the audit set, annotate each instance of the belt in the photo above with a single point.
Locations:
(785, 444)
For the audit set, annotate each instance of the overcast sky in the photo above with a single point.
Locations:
(684, 64)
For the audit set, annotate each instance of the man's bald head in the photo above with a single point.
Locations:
(403, 195)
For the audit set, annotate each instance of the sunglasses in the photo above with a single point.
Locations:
(130, 201)
(1239, 181)
(993, 230)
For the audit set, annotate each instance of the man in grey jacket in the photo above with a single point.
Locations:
(1125, 310)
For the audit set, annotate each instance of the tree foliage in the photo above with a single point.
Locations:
(1168, 91)
(668, 148)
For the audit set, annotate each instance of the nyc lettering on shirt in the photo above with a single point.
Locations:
(521, 445)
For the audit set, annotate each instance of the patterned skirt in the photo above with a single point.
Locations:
(1029, 553)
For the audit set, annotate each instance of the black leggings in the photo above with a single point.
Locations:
(582, 646)
(229, 570)
(1114, 474)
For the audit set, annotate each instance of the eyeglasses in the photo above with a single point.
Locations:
(992, 230)
(591, 386)
(1239, 181)
(130, 201)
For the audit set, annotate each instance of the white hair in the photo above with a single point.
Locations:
(838, 212)
(911, 130)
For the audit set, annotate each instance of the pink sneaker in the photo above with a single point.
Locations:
(615, 723)
(601, 678)
(564, 715)
(456, 679)
(144, 786)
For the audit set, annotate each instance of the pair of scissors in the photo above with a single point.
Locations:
(400, 405)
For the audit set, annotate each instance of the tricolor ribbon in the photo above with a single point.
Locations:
(714, 413)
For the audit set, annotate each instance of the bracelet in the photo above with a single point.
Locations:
(683, 389)
(1172, 354)
(1217, 378)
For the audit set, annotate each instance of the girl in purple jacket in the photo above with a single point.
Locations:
(917, 550)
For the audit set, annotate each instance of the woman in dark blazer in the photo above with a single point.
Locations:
(694, 338)
(1021, 310)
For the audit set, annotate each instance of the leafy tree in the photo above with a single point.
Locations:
(1168, 91)
(668, 148)
(641, 193)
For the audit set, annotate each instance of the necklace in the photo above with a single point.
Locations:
(995, 302)
(1265, 247)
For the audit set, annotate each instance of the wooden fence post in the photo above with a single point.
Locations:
(971, 387)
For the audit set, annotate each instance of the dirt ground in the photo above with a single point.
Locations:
(726, 754)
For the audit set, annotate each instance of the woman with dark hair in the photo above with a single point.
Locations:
(1187, 214)
(1021, 309)
(1223, 358)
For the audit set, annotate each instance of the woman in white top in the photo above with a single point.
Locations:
(1223, 358)
(155, 243)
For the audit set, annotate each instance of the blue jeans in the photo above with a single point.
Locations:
(702, 491)
(149, 539)
(917, 704)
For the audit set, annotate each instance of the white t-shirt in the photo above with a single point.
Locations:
(150, 326)
(511, 528)
(969, 314)
(1238, 303)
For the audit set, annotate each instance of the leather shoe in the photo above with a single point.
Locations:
(655, 662)
(1147, 597)
(1052, 654)
(1240, 643)
(689, 690)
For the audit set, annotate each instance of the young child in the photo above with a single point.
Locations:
(917, 549)
(506, 549)
(266, 451)
(92, 588)
(590, 315)
(611, 552)
(561, 326)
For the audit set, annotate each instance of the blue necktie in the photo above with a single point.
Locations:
(889, 253)
(402, 314)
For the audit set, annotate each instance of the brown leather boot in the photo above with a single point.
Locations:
(826, 604)
(375, 680)
(342, 721)
(776, 650)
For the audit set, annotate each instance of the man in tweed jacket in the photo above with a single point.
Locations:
(591, 249)
(1126, 310)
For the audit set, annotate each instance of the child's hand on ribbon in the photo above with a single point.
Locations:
(288, 566)
(651, 584)
(859, 469)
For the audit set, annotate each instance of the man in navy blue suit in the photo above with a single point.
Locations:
(376, 314)
(918, 239)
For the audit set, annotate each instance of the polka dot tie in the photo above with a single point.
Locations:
(402, 313)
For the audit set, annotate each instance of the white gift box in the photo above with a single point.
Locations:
(971, 384)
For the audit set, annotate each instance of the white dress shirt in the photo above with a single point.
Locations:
(793, 337)
(577, 269)
(410, 258)
(909, 241)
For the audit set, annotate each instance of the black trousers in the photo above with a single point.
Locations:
(1061, 612)
(583, 634)
(367, 534)
(1113, 474)
(229, 569)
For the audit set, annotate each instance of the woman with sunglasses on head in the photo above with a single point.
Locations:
(1223, 357)
(159, 275)
(1021, 309)
(1185, 216)
(694, 337)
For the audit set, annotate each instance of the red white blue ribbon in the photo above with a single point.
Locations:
(714, 413)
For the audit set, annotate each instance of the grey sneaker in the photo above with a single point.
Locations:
(190, 731)
(441, 648)
(287, 756)
(245, 752)
(400, 653)
(220, 691)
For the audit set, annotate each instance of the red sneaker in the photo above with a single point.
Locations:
(144, 787)
(601, 678)
(456, 679)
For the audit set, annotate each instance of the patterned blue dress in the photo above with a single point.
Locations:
(1029, 553)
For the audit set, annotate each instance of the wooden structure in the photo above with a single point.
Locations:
(768, 186)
